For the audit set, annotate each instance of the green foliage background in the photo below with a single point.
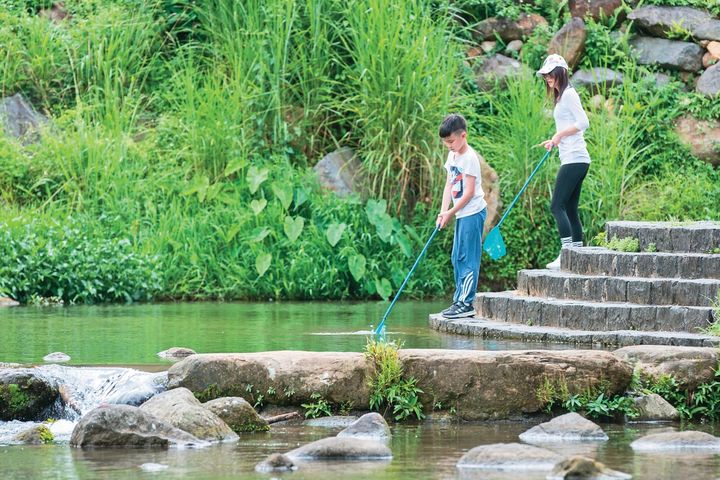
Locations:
(177, 161)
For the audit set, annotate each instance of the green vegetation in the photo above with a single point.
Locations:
(176, 164)
(593, 401)
(627, 244)
(319, 407)
(13, 401)
(390, 392)
(703, 403)
(45, 434)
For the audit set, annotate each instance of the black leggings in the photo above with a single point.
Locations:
(566, 197)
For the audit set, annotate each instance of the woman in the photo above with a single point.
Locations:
(570, 122)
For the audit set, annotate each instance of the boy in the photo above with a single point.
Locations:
(469, 208)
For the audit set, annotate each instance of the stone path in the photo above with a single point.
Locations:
(606, 297)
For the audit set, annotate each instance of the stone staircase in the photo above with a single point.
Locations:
(607, 297)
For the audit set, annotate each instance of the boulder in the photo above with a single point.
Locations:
(490, 183)
(496, 70)
(660, 21)
(653, 408)
(334, 421)
(670, 54)
(238, 414)
(503, 384)
(713, 49)
(674, 441)
(690, 366)
(583, 468)
(513, 47)
(709, 84)
(339, 171)
(569, 42)
(182, 410)
(36, 435)
(597, 79)
(25, 395)
(19, 119)
(293, 375)
(595, 9)
(509, 456)
(127, 426)
(176, 353)
(56, 357)
(276, 462)
(570, 427)
(347, 448)
(371, 426)
(507, 29)
(702, 137)
(488, 46)
(8, 302)
(56, 13)
(708, 60)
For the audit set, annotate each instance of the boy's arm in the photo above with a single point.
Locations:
(469, 190)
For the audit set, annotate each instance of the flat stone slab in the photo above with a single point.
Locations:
(336, 421)
(509, 456)
(694, 237)
(484, 328)
(602, 288)
(603, 261)
(513, 307)
(347, 448)
(677, 441)
(690, 366)
(571, 427)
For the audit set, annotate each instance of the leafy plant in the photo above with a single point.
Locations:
(627, 244)
(318, 408)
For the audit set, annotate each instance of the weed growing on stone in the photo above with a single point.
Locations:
(651, 248)
(714, 327)
(593, 402)
(390, 392)
(319, 407)
(702, 403)
(45, 434)
(628, 244)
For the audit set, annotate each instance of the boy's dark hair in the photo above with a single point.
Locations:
(453, 123)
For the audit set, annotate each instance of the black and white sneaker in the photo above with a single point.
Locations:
(458, 310)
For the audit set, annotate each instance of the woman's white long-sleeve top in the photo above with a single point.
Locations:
(569, 112)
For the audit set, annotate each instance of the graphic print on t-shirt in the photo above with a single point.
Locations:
(457, 181)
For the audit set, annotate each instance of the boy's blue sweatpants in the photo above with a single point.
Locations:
(466, 252)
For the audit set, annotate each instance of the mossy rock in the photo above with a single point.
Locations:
(24, 396)
(240, 416)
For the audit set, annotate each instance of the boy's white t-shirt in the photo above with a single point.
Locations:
(458, 166)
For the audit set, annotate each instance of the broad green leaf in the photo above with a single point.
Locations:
(404, 244)
(293, 227)
(376, 210)
(232, 232)
(301, 196)
(258, 234)
(356, 263)
(284, 193)
(384, 228)
(258, 206)
(383, 288)
(262, 263)
(199, 184)
(234, 165)
(213, 191)
(334, 233)
(255, 177)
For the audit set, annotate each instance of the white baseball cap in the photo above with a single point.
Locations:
(550, 63)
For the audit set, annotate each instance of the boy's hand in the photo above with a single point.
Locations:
(443, 219)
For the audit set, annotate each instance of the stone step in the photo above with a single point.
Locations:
(696, 237)
(584, 315)
(602, 261)
(480, 327)
(644, 291)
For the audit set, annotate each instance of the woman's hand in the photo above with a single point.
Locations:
(553, 142)
(443, 219)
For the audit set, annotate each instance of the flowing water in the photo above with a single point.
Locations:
(132, 335)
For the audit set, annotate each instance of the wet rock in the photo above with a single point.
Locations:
(181, 409)
(127, 426)
(508, 29)
(371, 426)
(276, 462)
(56, 357)
(594, 8)
(335, 448)
(335, 421)
(176, 353)
(582, 468)
(238, 414)
(674, 441)
(690, 366)
(509, 456)
(36, 435)
(653, 407)
(8, 302)
(569, 42)
(570, 427)
(496, 70)
(702, 137)
(339, 171)
(709, 83)
(597, 79)
(25, 395)
(19, 119)
(293, 375)
(659, 21)
(670, 54)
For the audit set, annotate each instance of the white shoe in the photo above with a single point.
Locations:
(555, 264)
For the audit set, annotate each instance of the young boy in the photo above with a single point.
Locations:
(469, 208)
